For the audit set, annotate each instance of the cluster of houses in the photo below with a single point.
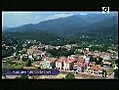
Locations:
(77, 62)
(71, 63)
(67, 63)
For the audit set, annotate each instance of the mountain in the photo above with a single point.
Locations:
(68, 24)
(95, 25)
(4, 28)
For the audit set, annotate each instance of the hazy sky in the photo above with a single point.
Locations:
(17, 18)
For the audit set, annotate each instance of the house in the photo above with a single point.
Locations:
(37, 64)
(80, 65)
(59, 64)
(65, 63)
(58, 47)
(68, 46)
(30, 57)
(38, 58)
(91, 64)
(39, 53)
(87, 49)
(14, 54)
(74, 56)
(88, 53)
(68, 64)
(46, 64)
(52, 62)
(97, 69)
(31, 50)
(106, 63)
(87, 58)
(81, 60)
(75, 66)
(105, 56)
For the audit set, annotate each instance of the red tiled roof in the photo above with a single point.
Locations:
(80, 64)
(66, 60)
(89, 53)
(60, 60)
(63, 57)
(52, 61)
(81, 60)
(96, 68)
(69, 61)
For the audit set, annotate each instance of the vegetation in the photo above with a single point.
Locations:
(70, 76)
(60, 52)
(116, 75)
(99, 60)
(14, 64)
(109, 71)
(7, 52)
(22, 77)
(29, 63)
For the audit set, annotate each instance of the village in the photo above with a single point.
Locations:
(84, 65)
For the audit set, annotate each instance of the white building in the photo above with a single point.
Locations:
(87, 49)
(30, 57)
(46, 64)
(59, 65)
(64, 64)
(86, 58)
(68, 65)
(14, 54)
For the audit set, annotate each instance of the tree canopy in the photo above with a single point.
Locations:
(70, 76)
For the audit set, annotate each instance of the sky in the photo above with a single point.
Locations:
(18, 18)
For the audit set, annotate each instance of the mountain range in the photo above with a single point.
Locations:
(73, 26)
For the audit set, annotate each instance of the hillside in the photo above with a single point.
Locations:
(97, 27)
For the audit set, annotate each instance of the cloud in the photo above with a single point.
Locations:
(17, 18)
(56, 16)
(83, 14)
(62, 15)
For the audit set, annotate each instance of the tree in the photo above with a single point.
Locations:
(17, 77)
(29, 63)
(92, 59)
(104, 73)
(24, 58)
(99, 60)
(39, 67)
(70, 76)
(22, 77)
(116, 74)
(19, 47)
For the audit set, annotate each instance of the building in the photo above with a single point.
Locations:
(87, 58)
(105, 56)
(37, 64)
(80, 65)
(52, 62)
(30, 57)
(65, 63)
(59, 64)
(97, 69)
(106, 63)
(46, 64)
(68, 64)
